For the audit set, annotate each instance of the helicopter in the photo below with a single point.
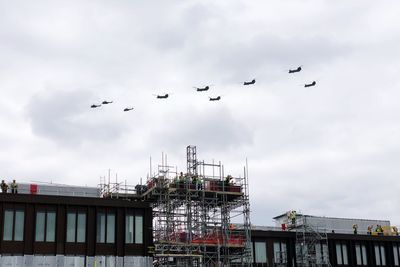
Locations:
(128, 109)
(215, 98)
(199, 89)
(106, 102)
(162, 96)
(251, 82)
(95, 106)
(310, 84)
(295, 70)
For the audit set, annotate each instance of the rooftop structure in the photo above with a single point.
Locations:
(332, 224)
(193, 213)
(58, 190)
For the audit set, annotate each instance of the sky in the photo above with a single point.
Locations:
(329, 150)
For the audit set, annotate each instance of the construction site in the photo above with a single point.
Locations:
(199, 217)
(193, 213)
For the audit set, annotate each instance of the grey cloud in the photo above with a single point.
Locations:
(209, 130)
(66, 117)
(341, 132)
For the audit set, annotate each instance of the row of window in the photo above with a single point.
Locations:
(321, 250)
(260, 252)
(361, 255)
(45, 227)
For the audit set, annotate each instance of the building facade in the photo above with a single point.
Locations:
(48, 230)
(276, 247)
(76, 231)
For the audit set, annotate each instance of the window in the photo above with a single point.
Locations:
(260, 250)
(133, 229)
(380, 257)
(13, 225)
(139, 229)
(110, 228)
(396, 254)
(45, 226)
(101, 227)
(321, 253)
(280, 252)
(341, 254)
(105, 227)
(129, 222)
(361, 255)
(76, 227)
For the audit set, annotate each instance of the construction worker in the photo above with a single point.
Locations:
(395, 230)
(14, 187)
(4, 187)
(379, 229)
(292, 217)
(369, 229)
(195, 181)
(355, 227)
(228, 180)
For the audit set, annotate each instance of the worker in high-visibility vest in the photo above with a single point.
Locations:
(292, 216)
(379, 229)
(4, 186)
(14, 187)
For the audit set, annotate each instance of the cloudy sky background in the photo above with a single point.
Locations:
(328, 150)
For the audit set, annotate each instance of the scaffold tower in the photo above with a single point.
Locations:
(311, 243)
(194, 215)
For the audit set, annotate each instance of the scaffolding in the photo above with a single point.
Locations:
(193, 215)
(311, 243)
(120, 190)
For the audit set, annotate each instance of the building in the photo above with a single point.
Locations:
(333, 242)
(177, 219)
(73, 230)
(52, 229)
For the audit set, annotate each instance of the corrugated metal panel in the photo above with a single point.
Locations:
(12, 261)
(60, 260)
(74, 261)
(44, 261)
(90, 261)
(28, 260)
(119, 262)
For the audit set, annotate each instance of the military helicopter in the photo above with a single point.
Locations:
(215, 98)
(128, 109)
(162, 96)
(295, 70)
(199, 89)
(106, 102)
(251, 82)
(95, 106)
(310, 84)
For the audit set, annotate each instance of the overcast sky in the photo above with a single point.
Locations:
(330, 150)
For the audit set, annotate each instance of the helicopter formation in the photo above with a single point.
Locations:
(298, 69)
(204, 89)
